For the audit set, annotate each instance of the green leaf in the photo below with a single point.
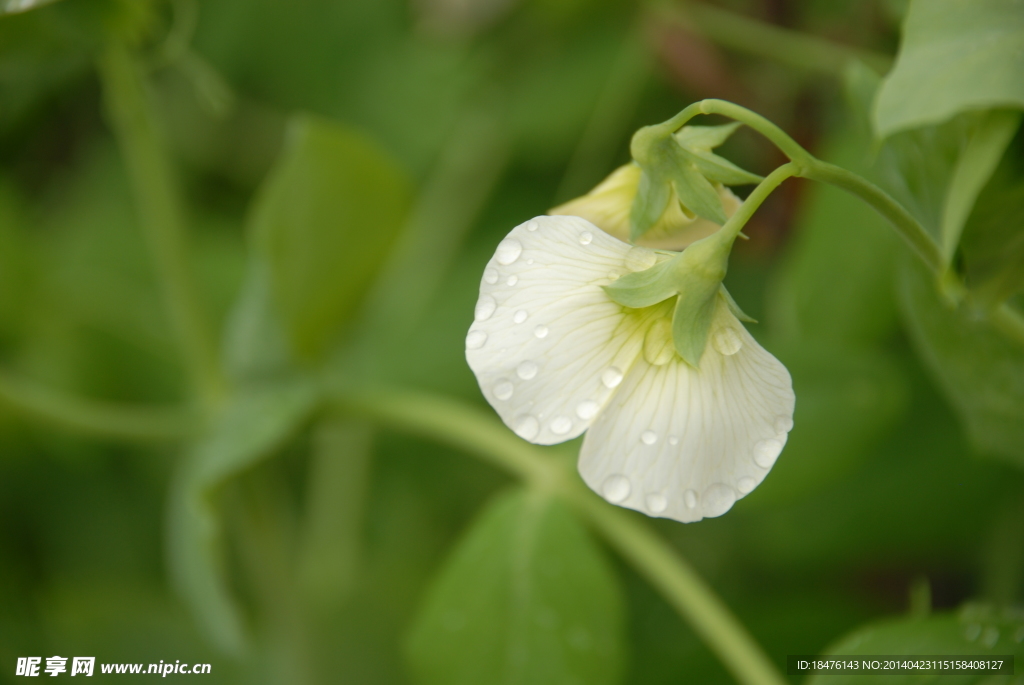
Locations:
(324, 221)
(993, 241)
(697, 142)
(980, 630)
(525, 599)
(980, 371)
(652, 197)
(250, 428)
(979, 159)
(955, 56)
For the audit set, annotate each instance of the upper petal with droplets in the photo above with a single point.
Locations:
(686, 443)
(548, 346)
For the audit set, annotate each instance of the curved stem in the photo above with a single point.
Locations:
(92, 417)
(479, 434)
(739, 219)
(160, 212)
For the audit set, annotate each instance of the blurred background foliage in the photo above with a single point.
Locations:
(346, 169)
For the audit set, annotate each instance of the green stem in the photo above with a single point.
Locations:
(102, 419)
(135, 128)
(479, 434)
(792, 48)
(739, 219)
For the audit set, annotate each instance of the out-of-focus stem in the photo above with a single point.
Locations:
(104, 419)
(469, 429)
(792, 48)
(160, 213)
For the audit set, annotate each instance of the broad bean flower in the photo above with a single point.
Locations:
(556, 356)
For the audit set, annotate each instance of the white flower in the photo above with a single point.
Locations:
(555, 356)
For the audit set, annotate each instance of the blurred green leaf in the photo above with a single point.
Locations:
(525, 599)
(249, 429)
(980, 371)
(974, 630)
(847, 398)
(837, 233)
(993, 241)
(955, 56)
(255, 344)
(324, 221)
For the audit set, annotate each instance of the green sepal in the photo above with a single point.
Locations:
(691, 322)
(652, 197)
(694, 190)
(644, 288)
(697, 142)
(735, 308)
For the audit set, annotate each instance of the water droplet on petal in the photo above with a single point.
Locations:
(649, 437)
(766, 452)
(640, 258)
(587, 409)
(541, 331)
(475, 340)
(485, 307)
(690, 498)
(508, 251)
(513, 279)
(526, 427)
(611, 377)
(530, 262)
(520, 316)
(532, 226)
(491, 276)
(613, 276)
(561, 425)
(616, 488)
(745, 485)
(718, 499)
(726, 341)
(586, 237)
(656, 502)
(673, 440)
(783, 424)
(503, 389)
(526, 370)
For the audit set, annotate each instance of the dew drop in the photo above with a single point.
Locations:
(656, 502)
(561, 425)
(490, 276)
(475, 340)
(526, 427)
(673, 440)
(611, 377)
(532, 226)
(990, 637)
(783, 424)
(615, 488)
(520, 316)
(508, 251)
(541, 331)
(530, 262)
(526, 370)
(640, 258)
(745, 485)
(503, 389)
(612, 276)
(485, 308)
(718, 499)
(587, 409)
(766, 452)
(586, 237)
(690, 498)
(513, 279)
(726, 341)
(649, 437)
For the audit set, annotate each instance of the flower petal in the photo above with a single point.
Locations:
(685, 443)
(548, 345)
